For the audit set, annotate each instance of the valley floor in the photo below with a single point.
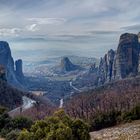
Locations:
(129, 131)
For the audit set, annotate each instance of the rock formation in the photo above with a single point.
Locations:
(127, 56)
(139, 37)
(106, 67)
(18, 70)
(66, 65)
(7, 62)
(121, 63)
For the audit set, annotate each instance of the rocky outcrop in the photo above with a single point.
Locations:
(106, 67)
(110, 61)
(122, 63)
(7, 62)
(127, 56)
(139, 37)
(18, 70)
(66, 65)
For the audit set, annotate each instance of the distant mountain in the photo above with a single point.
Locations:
(48, 66)
(67, 65)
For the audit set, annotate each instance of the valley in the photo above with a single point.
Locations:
(69, 70)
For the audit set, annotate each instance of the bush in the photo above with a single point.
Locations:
(25, 135)
(9, 126)
(103, 120)
(80, 130)
(2, 110)
(22, 122)
(58, 127)
(13, 135)
(131, 115)
(5, 120)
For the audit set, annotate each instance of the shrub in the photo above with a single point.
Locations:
(5, 120)
(80, 130)
(58, 127)
(103, 120)
(133, 114)
(22, 122)
(13, 135)
(2, 110)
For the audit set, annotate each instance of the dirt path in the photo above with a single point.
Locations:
(129, 131)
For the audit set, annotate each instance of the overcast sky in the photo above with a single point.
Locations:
(37, 29)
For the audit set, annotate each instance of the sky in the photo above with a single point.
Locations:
(39, 29)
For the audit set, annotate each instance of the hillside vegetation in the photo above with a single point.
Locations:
(10, 97)
(108, 105)
(57, 127)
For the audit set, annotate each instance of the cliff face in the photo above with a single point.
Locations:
(7, 62)
(127, 56)
(2, 73)
(121, 63)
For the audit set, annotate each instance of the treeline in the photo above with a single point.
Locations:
(108, 105)
(59, 126)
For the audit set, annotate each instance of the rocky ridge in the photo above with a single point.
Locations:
(122, 63)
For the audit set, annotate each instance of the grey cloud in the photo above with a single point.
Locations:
(104, 32)
(132, 28)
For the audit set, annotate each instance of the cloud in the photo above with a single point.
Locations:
(103, 32)
(45, 21)
(32, 27)
(133, 28)
(10, 32)
(95, 23)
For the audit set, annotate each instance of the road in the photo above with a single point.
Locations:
(75, 87)
(62, 100)
(61, 103)
(27, 103)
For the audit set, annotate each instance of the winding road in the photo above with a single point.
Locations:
(75, 87)
(27, 103)
(62, 100)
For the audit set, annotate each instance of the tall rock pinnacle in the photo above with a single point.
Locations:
(127, 56)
